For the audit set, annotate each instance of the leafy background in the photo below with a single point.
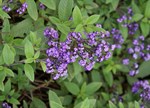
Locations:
(23, 79)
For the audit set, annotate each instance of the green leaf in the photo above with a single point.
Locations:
(115, 4)
(29, 60)
(111, 105)
(37, 54)
(53, 97)
(49, 3)
(92, 19)
(95, 75)
(3, 75)
(22, 27)
(77, 16)
(145, 28)
(92, 103)
(14, 101)
(137, 17)
(65, 9)
(37, 103)
(137, 105)
(32, 9)
(72, 88)
(9, 72)
(77, 68)
(3, 14)
(54, 100)
(63, 28)
(79, 28)
(93, 87)
(147, 9)
(108, 77)
(85, 103)
(25, 105)
(43, 65)
(53, 104)
(135, 7)
(29, 50)
(6, 29)
(144, 69)
(29, 72)
(121, 105)
(54, 20)
(66, 100)
(124, 32)
(7, 87)
(108, 1)
(8, 54)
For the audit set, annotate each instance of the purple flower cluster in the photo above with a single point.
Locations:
(87, 51)
(42, 6)
(22, 9)
(144, 88)
(6, 8)
(5, 105)
(138, 50)
(132, 26)
(117, 37)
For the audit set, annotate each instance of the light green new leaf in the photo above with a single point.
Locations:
(92, 19)
(65, 9)
(93, 87)
(29, 50)
(49, 3)
(137, 105)
(72, 88)
(111, 105)
(77, 16)
(8, 54)
(9, 72)
(85, 103)
(124, 32)
(121, 105)
(54, 100)
(147, 9)
(29, 72)
(32, 9)
(53, 104)
(43, 65)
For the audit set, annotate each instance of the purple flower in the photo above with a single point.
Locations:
(89, 66)
(82, 62)
(135, 56)
(6, 8)
(42, 6)
(125, 61)
(144, 88)
(130, 51)
(50, 33)
(5, 105)
(22, 9)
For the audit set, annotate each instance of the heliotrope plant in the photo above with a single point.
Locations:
(84, 64)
